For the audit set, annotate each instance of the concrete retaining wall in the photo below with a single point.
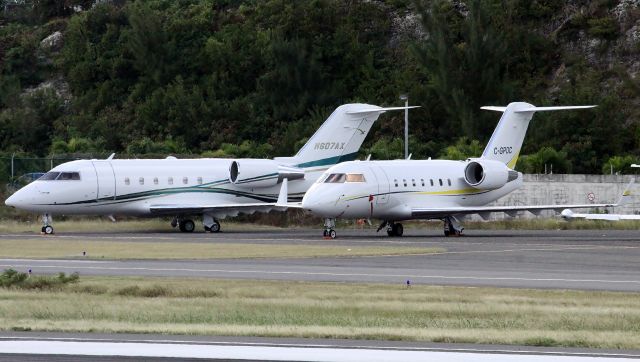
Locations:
(568, 189)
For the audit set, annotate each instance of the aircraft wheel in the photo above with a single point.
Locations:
(215, 227)
(325, 233)
(187, 226)
(333, 234)
(47, 229)
(390, 232)
(398, 229)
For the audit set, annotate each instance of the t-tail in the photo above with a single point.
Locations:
(506, 141)
(340, 136)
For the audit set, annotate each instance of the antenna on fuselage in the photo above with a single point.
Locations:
(368, 157)
(409, 157)
(111, 156)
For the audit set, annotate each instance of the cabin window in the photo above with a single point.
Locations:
(413, 181)
(404, 182)
(431, 180)
(170, 180)
(449, 181)
(422, 181)
(199, 180)
(440, 181)
(395, 182)
(355, 177)
(185, 180)
(336, 178)
(141, 180)
(126, 181)
(155, 180)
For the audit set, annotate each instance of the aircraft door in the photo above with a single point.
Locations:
(106, 179)
(383, 185)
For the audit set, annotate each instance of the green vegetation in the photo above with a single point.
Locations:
(329, 310)
(11, 278)
(201, 78)
(157, 248)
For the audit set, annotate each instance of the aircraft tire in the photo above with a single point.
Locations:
(215, 227)
(187, 226)
(398, 229)
(47, 229)
(333, 234)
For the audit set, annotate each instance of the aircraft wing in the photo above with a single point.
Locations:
(484, 211)
(221, 210)
(568, 214)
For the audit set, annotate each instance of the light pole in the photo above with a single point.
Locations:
(405, 98)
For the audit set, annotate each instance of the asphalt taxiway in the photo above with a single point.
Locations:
(564, 259)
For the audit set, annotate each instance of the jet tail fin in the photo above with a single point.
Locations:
(340, 136)
(506, 142)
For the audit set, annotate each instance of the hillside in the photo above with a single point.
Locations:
(255, 78)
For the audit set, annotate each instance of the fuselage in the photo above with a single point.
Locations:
(389, 190)
(130, 187)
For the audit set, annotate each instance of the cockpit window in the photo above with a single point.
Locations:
(60, 176)
(69, 176)
(49, 176)
(355, 177)
(335, 178)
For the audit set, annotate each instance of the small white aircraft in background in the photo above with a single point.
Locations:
(431, 189)
(214, 188)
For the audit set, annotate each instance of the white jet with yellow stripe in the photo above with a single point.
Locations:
(431, 189)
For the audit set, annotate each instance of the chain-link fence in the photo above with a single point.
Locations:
(16, 171)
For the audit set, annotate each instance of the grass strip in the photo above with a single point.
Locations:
(53, 248)
(329, 310)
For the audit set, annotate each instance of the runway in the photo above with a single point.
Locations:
(583, 259)
(43, 346)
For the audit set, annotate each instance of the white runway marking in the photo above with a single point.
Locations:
(277, 353)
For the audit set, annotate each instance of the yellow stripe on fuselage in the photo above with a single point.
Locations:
(514, 160)
(468, 191)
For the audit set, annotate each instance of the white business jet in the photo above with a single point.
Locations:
(431, 189)
(213, 188)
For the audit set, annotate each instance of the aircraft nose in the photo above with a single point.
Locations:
(11, 201)
(320, 203)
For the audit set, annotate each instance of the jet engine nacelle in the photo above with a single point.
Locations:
(487, 174)
(261, 173)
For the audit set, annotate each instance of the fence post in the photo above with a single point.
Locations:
(51, 163)
(13, 155)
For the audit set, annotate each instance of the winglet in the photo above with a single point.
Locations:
(284, 194)
(626, 195)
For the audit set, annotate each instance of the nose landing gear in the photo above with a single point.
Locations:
(329, 232)
(46, 229)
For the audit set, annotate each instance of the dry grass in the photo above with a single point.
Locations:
(51, 248)
(330, 310)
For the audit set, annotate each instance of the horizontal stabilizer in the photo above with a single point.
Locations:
(535, 109)
(380, 110)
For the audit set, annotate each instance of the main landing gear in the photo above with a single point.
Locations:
(452, 226)
(393, 228)
(46, 224)
(210, 224)
(185, 225)
(329, 232)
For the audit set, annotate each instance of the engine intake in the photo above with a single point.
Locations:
(488, 174)
(261, 173)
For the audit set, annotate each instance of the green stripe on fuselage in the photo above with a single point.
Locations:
(329, 161)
